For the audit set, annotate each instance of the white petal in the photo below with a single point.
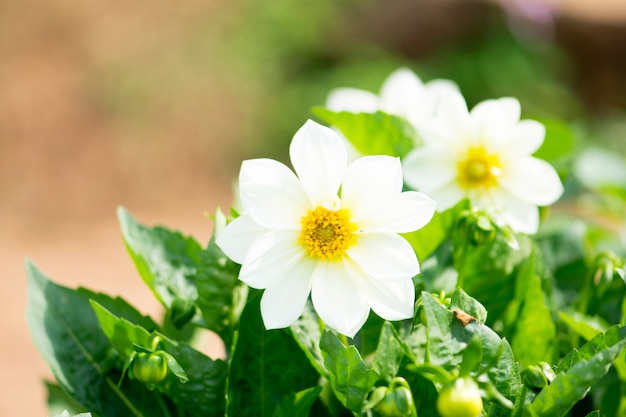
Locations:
(384, 256)
(505, 110)
(283, 303)
(523, 140)
(494, 120)
(352, 100)
(453, 127)
(402, 94)
(319, 157)
(271, 258)
(408, 212)
(429, 168)
(390, 300)
(533, 180)
(337, 298)
(237, 238)
(271, 194)
(522, 216)
(369, 183)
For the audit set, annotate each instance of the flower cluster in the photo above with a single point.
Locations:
(331, 229)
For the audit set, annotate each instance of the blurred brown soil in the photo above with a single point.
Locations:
(67, 160)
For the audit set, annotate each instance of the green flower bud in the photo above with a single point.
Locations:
(477, 227)
(397, 401)
(149, 367)
(460, 399)
(534, 377)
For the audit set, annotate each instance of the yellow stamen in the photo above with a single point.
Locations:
(479, 169)
(325, 233)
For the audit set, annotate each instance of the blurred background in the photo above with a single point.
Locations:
(152, 105)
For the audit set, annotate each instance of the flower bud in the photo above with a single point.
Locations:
(149, 367)
(460, 399)
(477, 227)
(397, 401)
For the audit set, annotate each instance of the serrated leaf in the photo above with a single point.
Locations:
(167, 261)
(376, 133)
(441, 347)
(535, 333)
(220, 293)
(578, 373)
(195, 382)
(448, 336)
(307, 334)
(389, 354)
(266, 365)
(350, 378)
(298, 404)
(66, 332)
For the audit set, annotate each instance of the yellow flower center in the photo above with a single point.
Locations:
(479, 169)
(325, 233)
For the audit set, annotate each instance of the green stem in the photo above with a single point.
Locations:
(460, 264)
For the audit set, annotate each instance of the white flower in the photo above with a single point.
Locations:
(485, 155)
(403, 94)
(301, 235)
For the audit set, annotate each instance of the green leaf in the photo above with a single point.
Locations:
(492, 282)
(535, 333)
(350, 379)
(202, 395)
(307, 334)
(298, 404)
(577, 373)
(167, 261)
(441, 347)
(448, 335)
(221, 295)
(66, 332)
(266, 366)
(558, 141)
(389, 353)
(585, 326)
(372, 133)
(427, 239)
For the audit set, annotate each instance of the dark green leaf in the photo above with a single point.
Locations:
(307, 333)
(167, 261)
(204, 392)
(350, 379)
(265, 366)
(298, 404)
(220, 294)
(372, 133)
(58, 400)
(66, 332)
(577, 373)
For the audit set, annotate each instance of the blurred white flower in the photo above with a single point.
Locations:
(402, 94)
(331, 231)
(485, 155)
